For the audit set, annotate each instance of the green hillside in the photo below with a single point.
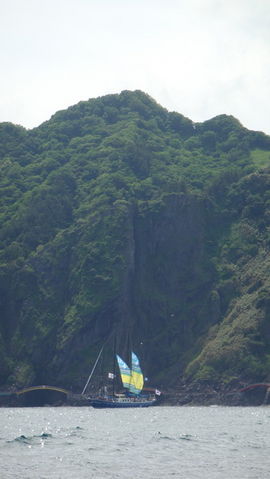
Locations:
(119, 216)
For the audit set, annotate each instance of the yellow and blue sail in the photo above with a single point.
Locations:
(132, 379)
(124, 372)
(136, 383)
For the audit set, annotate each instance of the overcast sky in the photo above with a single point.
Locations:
(198, 57)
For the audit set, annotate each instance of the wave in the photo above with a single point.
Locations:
(22, 439)
(44, 435)
(183, 437)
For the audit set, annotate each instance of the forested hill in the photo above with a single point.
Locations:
(117, 215)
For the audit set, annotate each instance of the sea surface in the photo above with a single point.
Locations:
(158, 442)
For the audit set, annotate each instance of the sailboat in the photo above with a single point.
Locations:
(133, 382)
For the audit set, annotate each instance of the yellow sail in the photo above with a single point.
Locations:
(136, 379)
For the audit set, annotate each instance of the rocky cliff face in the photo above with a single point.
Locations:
(163, 299)
(121, 219)
(173, 278)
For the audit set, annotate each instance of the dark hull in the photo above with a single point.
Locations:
(110, 403)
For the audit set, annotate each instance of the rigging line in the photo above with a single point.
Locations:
(92, 372)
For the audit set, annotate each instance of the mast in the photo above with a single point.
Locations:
(114, 359)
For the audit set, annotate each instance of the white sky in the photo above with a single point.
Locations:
(198, 57)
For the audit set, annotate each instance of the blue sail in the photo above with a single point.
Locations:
(125, 372)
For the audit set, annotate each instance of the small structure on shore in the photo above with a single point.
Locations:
(257, 387)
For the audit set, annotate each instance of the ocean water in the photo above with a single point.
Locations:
(159, 442)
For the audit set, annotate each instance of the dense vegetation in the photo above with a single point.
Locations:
(117, 215)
